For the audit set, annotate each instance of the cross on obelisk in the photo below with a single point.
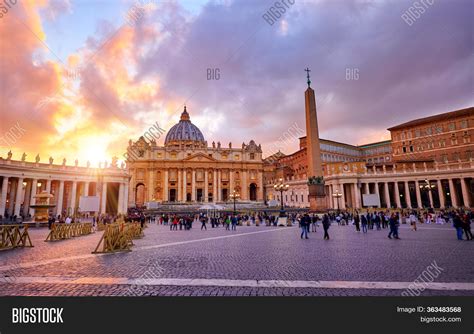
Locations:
(307, 75)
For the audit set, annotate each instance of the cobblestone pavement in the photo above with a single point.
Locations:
(246, 256)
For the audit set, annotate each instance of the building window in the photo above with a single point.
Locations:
(442, 143)
(417, 133)
(404, 149)
(411, 148)
(464, 124)
(302, 198)
(252, 156)
(237, 157)
(428, 131)
(466, 139)
(439, 128)
(452, 126)
(444, 157)
(455, 156)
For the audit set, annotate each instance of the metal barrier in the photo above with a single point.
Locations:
(12, 236)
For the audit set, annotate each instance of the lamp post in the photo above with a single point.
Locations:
(281, 187)
(428, 187)
(234, 196)
(337, 195)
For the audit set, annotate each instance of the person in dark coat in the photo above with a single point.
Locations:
(326, 225)
(357, 221)
(304, 223)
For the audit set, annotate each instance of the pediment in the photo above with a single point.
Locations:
(200, 157)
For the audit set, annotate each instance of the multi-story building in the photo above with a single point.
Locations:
(187, 170)
(428, 163)
(443, 137)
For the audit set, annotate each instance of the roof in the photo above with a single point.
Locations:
(436, 118)
(379, 143)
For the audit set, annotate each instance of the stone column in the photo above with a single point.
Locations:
(214, 185)
(180, 186)
(184, 185)
(165, 187)
(367, 188)
(48, 187)
(86, 189)
(206, 185)
(330, 206)
(245, 189)
(73, 197)
(387, 195)
(430, 196)
(26, 202)
(465, 193)
(418, 194)
(343, 198)
(13, 184)
(34, 185)
(376, 184)
(397, 195)
(151, 186)
(120, 199)
(231, 181)
(125, 198)
(19, 195)
(442, 201)
(3, 197)
(193, 186)
(452, 191)
(407, 194)
(260, 186)
(219, 191)
(132, 194)
(103, 198)
(59, 204)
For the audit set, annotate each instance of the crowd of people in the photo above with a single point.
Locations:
(364, 221)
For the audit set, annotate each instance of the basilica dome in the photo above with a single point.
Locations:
(184, 131)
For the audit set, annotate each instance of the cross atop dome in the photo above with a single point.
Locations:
(185, 115)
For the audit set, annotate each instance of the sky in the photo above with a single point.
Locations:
(78, 79)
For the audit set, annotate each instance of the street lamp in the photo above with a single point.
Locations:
(281, 187)
(337, 195)
(234, 196)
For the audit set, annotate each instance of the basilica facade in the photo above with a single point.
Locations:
(188, 170)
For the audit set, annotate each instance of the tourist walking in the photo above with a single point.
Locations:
(234, 223)
(466, 226)
(393, 222)
(364, 223)
(203, 223)
(326, 225)
(457, 223)
(357, 222)
(304, 222)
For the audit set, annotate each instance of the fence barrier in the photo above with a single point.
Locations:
(118, 237)
(67, 231)
(13, 236)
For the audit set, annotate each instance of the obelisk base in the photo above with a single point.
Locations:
(317, 204)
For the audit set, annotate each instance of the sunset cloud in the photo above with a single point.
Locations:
(130, 73)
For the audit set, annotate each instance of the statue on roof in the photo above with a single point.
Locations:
(64, 162)
(9, 155)
(37, 159)
(23, 157)
(51, 160)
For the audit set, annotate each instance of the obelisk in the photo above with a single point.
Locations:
(317, 200)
